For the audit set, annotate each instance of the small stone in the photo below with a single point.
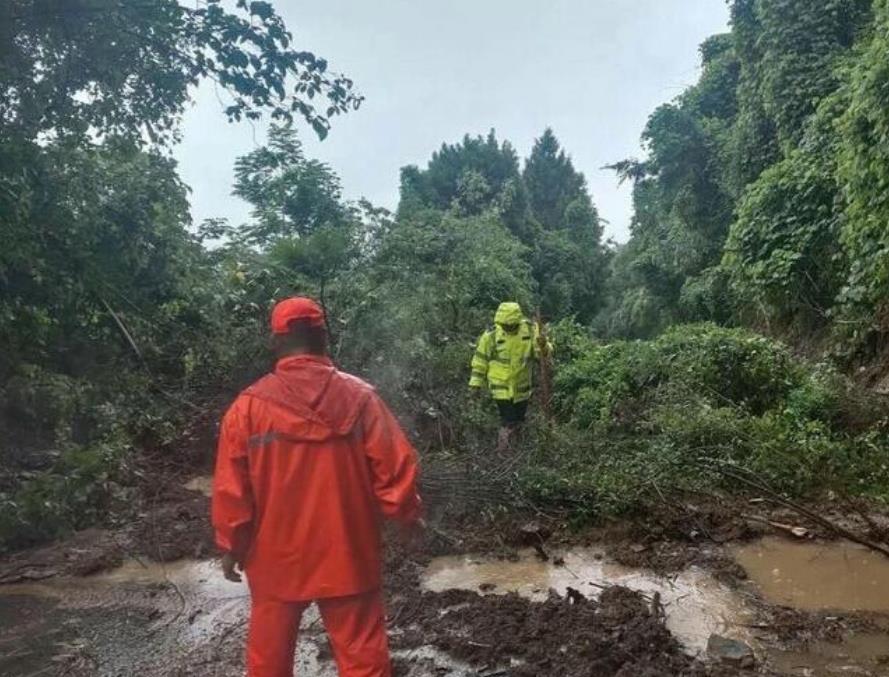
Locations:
(574, 596)
(534, 533)
(731, 651)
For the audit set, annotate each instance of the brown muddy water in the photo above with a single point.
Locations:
(147, 618)
(696, 605)
(141, 618)
(153, 619)
(862, 654)
(837, 576)
(831, 577)
(136, 619)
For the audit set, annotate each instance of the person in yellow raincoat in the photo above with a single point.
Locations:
(503, 362)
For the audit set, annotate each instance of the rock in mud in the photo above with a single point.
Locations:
(533, 533)
(731, 651)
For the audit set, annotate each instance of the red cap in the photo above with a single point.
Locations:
(296, 308)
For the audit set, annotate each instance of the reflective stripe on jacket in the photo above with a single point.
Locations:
(503, 362)
(309, 461)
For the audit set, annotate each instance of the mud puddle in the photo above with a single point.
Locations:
(831, 577)
(186, 589)
(141, 618)
(155, 618)
(837, 576)
(696, 605)
(864, 654)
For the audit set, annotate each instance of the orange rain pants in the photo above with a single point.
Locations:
(310, 460)
(356, 627)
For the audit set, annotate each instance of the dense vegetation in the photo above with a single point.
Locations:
(761, 204)
(643, 419)
(763, 197)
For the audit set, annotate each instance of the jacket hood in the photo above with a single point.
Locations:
(509, 312)
(324, 402)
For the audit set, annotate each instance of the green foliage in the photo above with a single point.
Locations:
(474, 176)
(406, 297)
(437, 280)
(117, 325)
(707, 296)
(546, 206)
(291, 195)
(642, 417)
(78, 66)
(766, 175)
(783, 250)
(94, 229)
(569, 262)
(557, 193)
(762, 196)
(681, 197)
(864, 171)
(81, 488)
(730, 366)
(799, 43)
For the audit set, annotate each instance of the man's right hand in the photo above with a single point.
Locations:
(229, 566)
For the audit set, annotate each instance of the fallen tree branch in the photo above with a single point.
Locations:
(796, 532)
(750, 480)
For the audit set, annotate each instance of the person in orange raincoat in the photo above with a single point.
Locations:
(310, 459)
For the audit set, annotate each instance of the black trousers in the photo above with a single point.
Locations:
(512, 414)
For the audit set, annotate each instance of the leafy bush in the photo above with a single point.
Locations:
(707, 297)
(83, 487)
(727, 366)
(642, 417)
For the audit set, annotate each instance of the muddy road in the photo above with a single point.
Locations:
(493, 597)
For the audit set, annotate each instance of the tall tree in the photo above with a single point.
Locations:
(569, 261)
(554, 185)
(682, 194)
(477, 175)
(303, 236)
(71, 67)
(291, 195)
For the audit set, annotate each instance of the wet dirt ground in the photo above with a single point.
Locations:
(614, 602)
(695, 604)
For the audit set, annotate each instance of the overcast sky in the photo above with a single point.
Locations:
(432, 71)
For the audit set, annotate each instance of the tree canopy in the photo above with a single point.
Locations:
(73, 67)
(761, 186)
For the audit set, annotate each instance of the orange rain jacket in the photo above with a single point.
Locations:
(309, 460)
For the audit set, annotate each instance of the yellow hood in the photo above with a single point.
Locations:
(509, 313)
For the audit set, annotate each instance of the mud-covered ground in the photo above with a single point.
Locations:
(97, 604)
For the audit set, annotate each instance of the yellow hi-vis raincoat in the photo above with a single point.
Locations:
(504, 361)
